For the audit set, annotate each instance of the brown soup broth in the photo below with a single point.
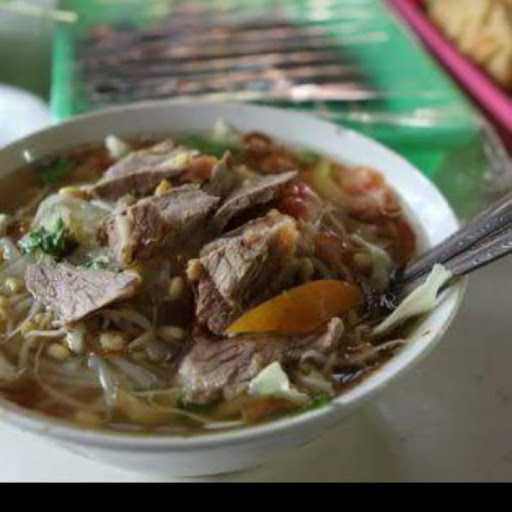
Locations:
(127, 365)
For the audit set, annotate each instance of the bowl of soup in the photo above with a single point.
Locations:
(196, 289)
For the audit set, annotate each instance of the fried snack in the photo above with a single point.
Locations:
(481, 29)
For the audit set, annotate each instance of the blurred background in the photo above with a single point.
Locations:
(430, 78)
(382, 67)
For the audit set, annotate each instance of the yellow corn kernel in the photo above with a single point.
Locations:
(77, 192)
(176, 287)
(171, 333)
(194, 270)
(58, 352)
(12, 285)
(182, 159)
(112, 341)
(163, 187)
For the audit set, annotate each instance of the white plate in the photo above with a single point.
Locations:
(223, 452)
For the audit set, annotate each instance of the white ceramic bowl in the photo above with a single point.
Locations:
(225, 452)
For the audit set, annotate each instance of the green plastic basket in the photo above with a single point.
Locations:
(422, 114)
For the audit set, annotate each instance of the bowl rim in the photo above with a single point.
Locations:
(65, 431)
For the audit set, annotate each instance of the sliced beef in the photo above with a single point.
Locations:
(215, 369)
(245, 267)
(252, 192)
(176, 221)
(141, 171)
(74, 292)
(211, 309)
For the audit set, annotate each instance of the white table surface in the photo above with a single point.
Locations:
(448, 419)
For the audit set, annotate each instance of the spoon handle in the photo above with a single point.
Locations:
(493, 247)
(485, 227)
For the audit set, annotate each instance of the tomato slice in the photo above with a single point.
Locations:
(300, 310)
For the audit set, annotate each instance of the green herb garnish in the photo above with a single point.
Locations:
(57, 242)
(206, 145)
(319, 401)
(54, 172)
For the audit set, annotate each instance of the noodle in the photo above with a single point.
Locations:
(34, 310)
(57, 333)
(57, 395)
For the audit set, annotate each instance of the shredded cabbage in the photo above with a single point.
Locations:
(273, 381)
(181, 157)
(324, 184)
(116, 147)
(80, 217)
(223, 132)
(106, 378)
(381, 263)
(422, 300)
